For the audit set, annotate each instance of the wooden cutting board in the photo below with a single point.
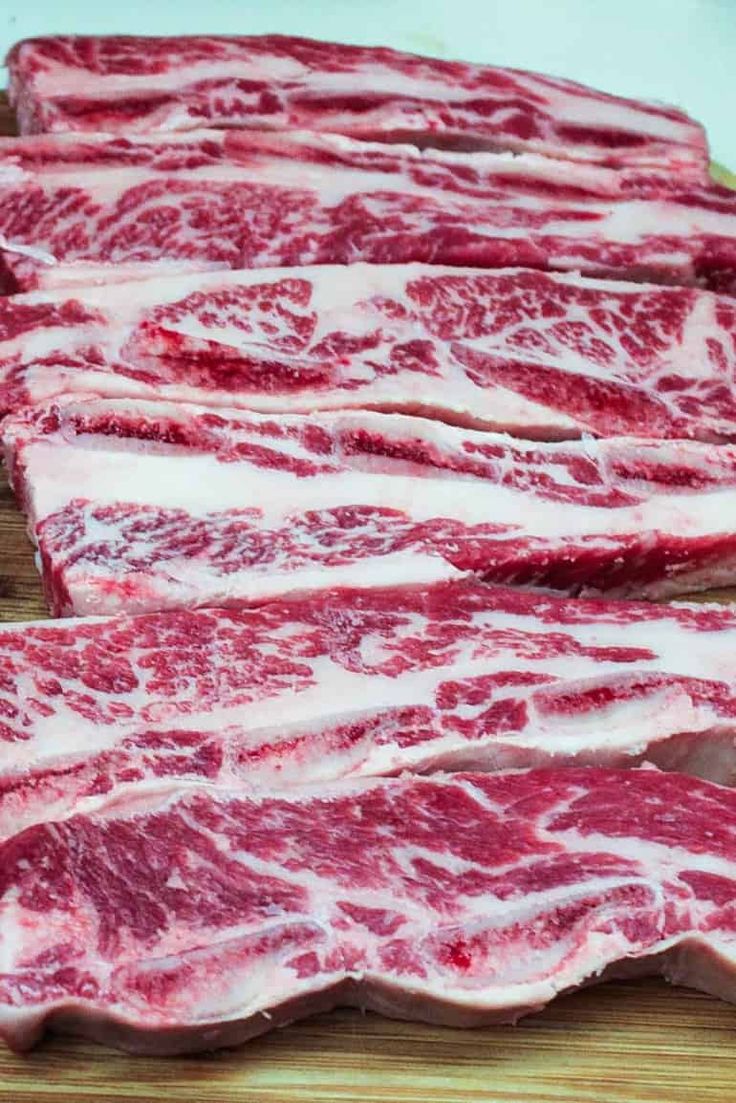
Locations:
(640, 1042)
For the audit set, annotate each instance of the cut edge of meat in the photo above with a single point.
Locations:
(688, 964)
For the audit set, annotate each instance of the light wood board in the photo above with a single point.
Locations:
(639, 1042)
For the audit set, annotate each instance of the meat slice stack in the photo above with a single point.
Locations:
(315, 343)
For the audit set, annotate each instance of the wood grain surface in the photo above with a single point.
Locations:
(638, 1042)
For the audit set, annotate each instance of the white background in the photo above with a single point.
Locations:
(681, 51)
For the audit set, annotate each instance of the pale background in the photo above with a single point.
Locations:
(681, 51)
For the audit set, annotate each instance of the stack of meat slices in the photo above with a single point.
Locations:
(347, 394)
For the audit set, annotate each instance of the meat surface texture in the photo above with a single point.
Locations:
(542, 355)
(349, 684)
(128, 84)
(76, 209)
(465, 900)
(139, 506)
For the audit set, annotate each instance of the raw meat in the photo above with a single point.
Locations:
(128, 84)
(137, 506)
(189, 920)
(538, 354)
(451, 676)
(77, 209)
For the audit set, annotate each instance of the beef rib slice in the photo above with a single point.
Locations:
(544, 355)
(96, 208)
(194, 919)
(128, 84)
(451, 676)
(137, 506)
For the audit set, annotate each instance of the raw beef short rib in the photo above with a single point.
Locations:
(198, 919)
(347, 684)
(82, 209)
(131, 83)
(538, 354)
(138, 506)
